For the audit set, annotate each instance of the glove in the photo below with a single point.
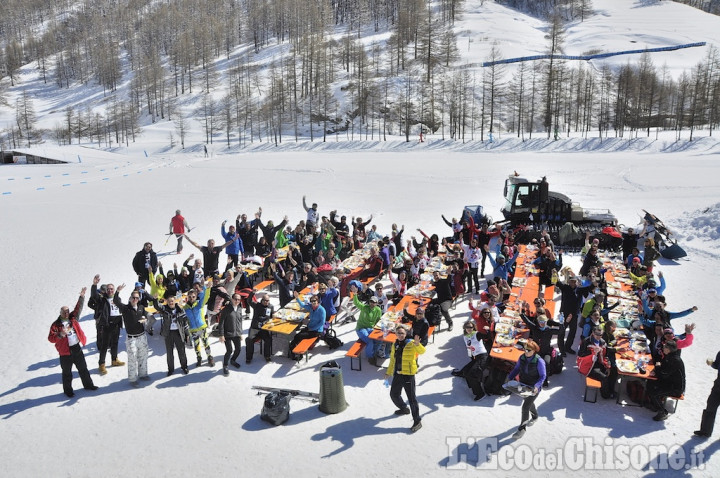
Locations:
(386, 382)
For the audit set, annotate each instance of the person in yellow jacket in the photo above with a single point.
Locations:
(403, 367)
(157, 289)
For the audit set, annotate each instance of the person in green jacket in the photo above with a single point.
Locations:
(369, 315)
(402, 369)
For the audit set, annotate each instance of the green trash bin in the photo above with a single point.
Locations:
(332, 389)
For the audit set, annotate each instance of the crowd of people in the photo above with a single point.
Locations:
(222, 295)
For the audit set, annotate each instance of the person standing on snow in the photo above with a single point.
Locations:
(211, 254)
(402, 368)
(68, 337)
(312, 217)
(145, 259)
(196, 320)
(108, 321)
(708, 415)
(529, 370)
(235, 249)
(178, 226)
(134, 318)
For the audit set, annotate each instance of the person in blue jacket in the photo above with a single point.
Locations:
(501, 267)
(234, 248)
(328, 295)
(315, 325)
(529, 370)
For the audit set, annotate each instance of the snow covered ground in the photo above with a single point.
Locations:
(56, 237)
(62, 224)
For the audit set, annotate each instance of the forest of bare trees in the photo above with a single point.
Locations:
(280, 70)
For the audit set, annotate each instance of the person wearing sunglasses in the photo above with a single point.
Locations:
(529, 370)
(599, 367)
(69, 339)
(134, 318)
(315, 325)
(473, 371)
(402, 368)
(670, 374)
(262, 312)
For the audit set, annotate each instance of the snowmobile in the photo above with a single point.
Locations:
(668, 246)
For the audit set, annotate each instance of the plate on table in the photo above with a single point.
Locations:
(627, 366)
(497, 350)
(504, 340)
(640, 347)
(621, 332)
(501, 328)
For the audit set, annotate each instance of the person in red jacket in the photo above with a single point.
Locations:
(68, 337)
(178, 226)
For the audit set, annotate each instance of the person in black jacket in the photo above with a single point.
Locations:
(231, 331)
(670, 381)
(570, 302)
(211, 254)
(708, 415)
(341, 227)
(262, 312)
(630, 240)
(248, 234)
(444, 297)
(419, 323)
(108, 322)
(134, 318)
(269, 230)
(546, 264)
(175, 330)
(286, 284)
(143, 259)
(591, 260)
(542, 333)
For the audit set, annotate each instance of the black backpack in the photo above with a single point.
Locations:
(556, 363)
(331, 340)
(433, 314)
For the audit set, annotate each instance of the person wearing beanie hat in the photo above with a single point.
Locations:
(670, 374)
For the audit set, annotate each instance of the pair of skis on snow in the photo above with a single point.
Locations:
(314, 397)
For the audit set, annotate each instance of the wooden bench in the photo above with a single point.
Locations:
(591, 384)
(675, 401)
(263, 285)
(305, 346)
(355, 352)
